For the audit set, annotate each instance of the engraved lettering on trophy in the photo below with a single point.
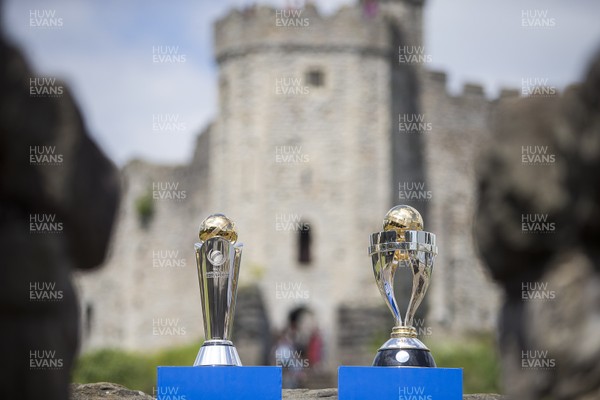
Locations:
(218, 272)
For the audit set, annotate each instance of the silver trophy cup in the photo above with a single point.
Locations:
(401, 247)
(218, 261)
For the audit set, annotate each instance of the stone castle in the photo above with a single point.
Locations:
(325, 122)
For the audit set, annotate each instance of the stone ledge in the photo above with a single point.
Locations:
(107, 391)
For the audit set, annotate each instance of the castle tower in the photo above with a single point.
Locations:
(305, 154)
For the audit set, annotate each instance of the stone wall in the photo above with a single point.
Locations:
(147, 295)
(462, 296)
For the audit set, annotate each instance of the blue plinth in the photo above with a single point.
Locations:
(218, 383)
(405, 383)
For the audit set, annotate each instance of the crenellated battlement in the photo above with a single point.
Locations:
(437, 81)
(263, 28)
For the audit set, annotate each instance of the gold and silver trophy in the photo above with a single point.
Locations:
(218, 258)
(403, 244)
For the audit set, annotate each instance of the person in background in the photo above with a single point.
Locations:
(299, 348)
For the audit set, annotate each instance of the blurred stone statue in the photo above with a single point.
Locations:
(538, 229)
(58, 198)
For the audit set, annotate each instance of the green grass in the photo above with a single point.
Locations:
(131, 369)
(477, 356)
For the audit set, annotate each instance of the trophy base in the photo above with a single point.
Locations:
(217, 352)
(404, 352)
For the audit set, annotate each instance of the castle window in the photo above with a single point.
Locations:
(315, 78)
(304, 241)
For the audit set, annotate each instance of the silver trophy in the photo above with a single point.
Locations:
(218, 258)
(403, 244)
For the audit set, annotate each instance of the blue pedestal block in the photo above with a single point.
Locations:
(218, 383)
(404, 383)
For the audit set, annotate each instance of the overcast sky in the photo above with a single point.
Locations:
(104, 51)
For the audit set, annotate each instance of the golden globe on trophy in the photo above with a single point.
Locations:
(403, 244)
